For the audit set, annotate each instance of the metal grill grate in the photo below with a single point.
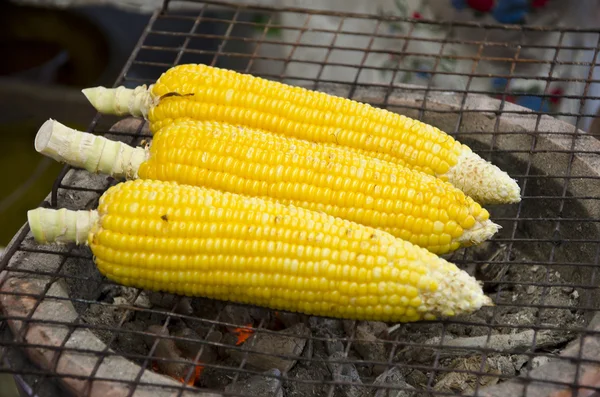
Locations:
(86, 335)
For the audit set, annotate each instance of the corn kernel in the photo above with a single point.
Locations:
(225, 246)
(257, 163)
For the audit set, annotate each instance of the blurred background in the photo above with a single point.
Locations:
(50, 53)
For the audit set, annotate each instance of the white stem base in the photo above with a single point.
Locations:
(120, 101)
(93, 153)
(61, 226)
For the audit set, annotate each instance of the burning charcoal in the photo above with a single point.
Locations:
(174, 364)
(190, 348)
(334, 346)
(214, 337)
(393, 377)
(121, 295)
(504, 365)
(106, 315)
(236, 337)
(368, 345)
(242, 334)
(289, 319)
(307, 381)
(347, 373)
(258, 386)
(289, 342)
(167, 301)
(228, 339)
(492, 273)
(415, 378)
(143, 301)
(218, 378)
(204, 308)
(330, 329)
(260, 313)
(130, 341)
(309, 349)
(121, 301)
(117, 308)
(499, 342)
(539, 361)
(520, 361)
(567, 290)
(333, 325)
(535, 362)
(378, 329)
(465, 380)
(237, 316)
(110, 291)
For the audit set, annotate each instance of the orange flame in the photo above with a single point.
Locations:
(242, 334)
(197, 373)
(277, 324)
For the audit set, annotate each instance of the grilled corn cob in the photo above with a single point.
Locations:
(209, 93)
(408, 204)
(202, 242)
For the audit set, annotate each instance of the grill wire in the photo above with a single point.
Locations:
(565, 237)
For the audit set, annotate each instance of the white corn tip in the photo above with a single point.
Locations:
(482, 231)
(458, 293)
(483, 181)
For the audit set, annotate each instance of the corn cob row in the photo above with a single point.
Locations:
(408, 204)
(208, 93)
(201, 242)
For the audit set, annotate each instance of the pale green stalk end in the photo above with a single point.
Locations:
(93, 153)
(61, 226)
(120, 101)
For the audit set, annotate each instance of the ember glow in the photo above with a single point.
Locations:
(242, 334)
(195, 376)
(197, 373)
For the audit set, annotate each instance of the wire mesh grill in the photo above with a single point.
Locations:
(86, 335)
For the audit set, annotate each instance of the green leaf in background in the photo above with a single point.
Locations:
(261, 21)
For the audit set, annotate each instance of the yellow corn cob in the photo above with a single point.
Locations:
(209, 93)
(201, 242)
(408, 204)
